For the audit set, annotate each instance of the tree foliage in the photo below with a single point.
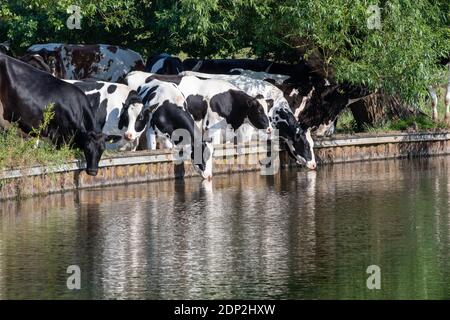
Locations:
(402, 57)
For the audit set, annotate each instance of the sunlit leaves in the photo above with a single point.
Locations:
(401, 57)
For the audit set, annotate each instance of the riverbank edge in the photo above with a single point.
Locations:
(146, 166)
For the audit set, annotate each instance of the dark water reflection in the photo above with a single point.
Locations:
(294, 235)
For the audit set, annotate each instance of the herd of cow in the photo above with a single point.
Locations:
(106, 96)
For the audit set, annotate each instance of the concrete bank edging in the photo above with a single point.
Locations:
(144, 166)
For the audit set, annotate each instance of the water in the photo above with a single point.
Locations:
(297, 235)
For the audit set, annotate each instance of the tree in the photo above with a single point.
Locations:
(400, 58)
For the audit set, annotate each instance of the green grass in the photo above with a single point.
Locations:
(347, 124)
(17, 151)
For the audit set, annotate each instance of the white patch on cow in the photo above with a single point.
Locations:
(136, 78)
(111, 67)
(325, 129)
(351, 101)
(47, 46)
(302, 105)
(311, 164)
(294, 92)
(261, 75)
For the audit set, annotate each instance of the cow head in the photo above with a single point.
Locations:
(203, 167)
(133, 117)
(257, 114)
(298, 141)
(303, 148)
(94, 145)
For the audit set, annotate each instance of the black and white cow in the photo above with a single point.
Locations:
(171, 123)
(164, 64)
(214, 104)
(298, 140)
(25, 92)
(324, 106)
(118, 110)
(99, 61)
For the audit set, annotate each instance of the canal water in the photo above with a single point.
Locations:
(296, 235)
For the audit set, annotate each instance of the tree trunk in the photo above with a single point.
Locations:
(377, 108)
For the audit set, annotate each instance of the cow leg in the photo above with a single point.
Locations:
(151, 138)
(244, 133)
(166, 143)
(434, 103)
(135, 144)
(447, 100)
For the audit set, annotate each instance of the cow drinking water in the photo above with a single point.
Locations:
(171, 123)
(298, 140)
(214, 104)
(24, 94)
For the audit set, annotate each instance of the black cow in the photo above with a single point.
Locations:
(25, 92)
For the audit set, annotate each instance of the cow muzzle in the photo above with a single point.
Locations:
(92, 172)
(311, 165)
(207, 176)
(128, 136)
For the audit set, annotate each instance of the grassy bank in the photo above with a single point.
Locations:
(422, 122)
(16, 151)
